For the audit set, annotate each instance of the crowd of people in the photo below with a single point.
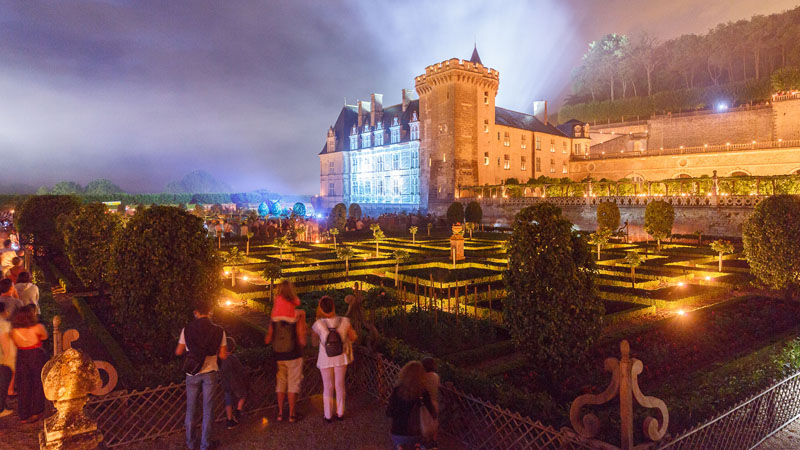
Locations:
(21, 334)
(209, 355)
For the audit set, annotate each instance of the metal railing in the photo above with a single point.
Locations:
(748, 424)
(129, 417)
(728, 147)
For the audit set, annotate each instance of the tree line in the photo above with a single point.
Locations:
(618, 66)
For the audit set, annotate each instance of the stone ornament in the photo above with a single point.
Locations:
(63, 341)
(68, 378)
(624, 380)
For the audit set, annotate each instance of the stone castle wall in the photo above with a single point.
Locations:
(713, 128)
(691, 213)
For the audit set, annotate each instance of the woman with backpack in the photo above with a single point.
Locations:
(408, 398)
(335, 338)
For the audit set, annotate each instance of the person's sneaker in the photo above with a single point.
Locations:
(6, 412)
(232, 424)
(237, 415)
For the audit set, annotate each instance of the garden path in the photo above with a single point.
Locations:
(787, 438)
(365, 428)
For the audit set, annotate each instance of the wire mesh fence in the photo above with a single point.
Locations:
(748, 424)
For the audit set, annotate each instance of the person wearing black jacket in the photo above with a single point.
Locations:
(202, 342)
(408, 397)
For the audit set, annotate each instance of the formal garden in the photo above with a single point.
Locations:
(524, 320)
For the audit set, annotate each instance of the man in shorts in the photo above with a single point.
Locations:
(288, 338)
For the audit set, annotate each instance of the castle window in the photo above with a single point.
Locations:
(552, 145)
(379, 136)
(577, 149)
(522, 163)
(331, 190)
(485, 158)
(365, 140)
(355, 188)
(354, 142)
(331, 167)
(538, 143)
(414, 159)
(498, 135)
(498, 161)
(552, 165)
(444, 157)
(380, 187)
(523, 145)
(506, 139)
(564, 147)
(414, 130)
(395, 161)
(538, 164)
(506, 162)
(485, 97)
(564, 167)
(485, 126)
(379, 164)
(396, 186)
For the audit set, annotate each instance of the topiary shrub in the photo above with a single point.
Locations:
(455, 213)
(354, 212)
(473, 213)
(658, 219)
(771, 237)
(607, 216)
(87, 233)
(555, 316)
(338, 217)
(161, 264)
(38, 217)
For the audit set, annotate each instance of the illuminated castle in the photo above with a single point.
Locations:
(416, 155)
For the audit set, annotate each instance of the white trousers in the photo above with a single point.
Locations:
(333, 377)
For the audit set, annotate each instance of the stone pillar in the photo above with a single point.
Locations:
(68, 378)
(714, 184)
(457, 244)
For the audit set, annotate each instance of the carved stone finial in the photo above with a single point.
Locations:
(624, 381)
(67, 379)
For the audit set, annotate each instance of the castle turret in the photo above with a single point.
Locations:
(457, 106)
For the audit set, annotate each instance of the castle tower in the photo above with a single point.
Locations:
(457, 108)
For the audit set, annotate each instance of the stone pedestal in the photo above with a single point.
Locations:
(457, 247)
(67, 379)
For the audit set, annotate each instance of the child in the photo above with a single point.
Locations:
(234, 384)
(16, 268)
(430, 425)
(286, 301)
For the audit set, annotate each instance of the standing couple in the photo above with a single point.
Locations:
(287, 335)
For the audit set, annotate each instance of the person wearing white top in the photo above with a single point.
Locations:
(28, 292)
(333, 368)
(7, 253)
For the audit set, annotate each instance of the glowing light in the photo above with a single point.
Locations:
(680, 283)
(681, 312)
(754, 142)
(245, 278)
(227, 273)
(722, 106)
(228, 303)
(708, 278)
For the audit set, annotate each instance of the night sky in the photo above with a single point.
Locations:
(144, 92)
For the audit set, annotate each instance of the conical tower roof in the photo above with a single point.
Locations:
(475, 57)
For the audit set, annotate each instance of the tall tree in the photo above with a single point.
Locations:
(553, 327)
(771, 237)
(644, 53)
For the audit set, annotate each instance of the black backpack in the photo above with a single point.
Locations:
(283, 336)
(333, 343)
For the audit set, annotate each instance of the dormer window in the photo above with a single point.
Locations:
(395, 131)
(506, 139)
(354, 142)
(414, 131)
(379, 134)
(365, 140)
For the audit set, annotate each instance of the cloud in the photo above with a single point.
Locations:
(144, 92)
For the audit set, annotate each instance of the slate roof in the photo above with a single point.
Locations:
(348, 117)
(475, 57)
(524, 121)
(568, 127)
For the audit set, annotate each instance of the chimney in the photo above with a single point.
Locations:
(405, 100)
(376, 109)
(540, 110)
(360, 116)
(545, 112)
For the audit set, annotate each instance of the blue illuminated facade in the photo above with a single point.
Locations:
(372, 157)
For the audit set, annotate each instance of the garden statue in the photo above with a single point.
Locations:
(457, 243)
(68, 378)
(623, 382)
